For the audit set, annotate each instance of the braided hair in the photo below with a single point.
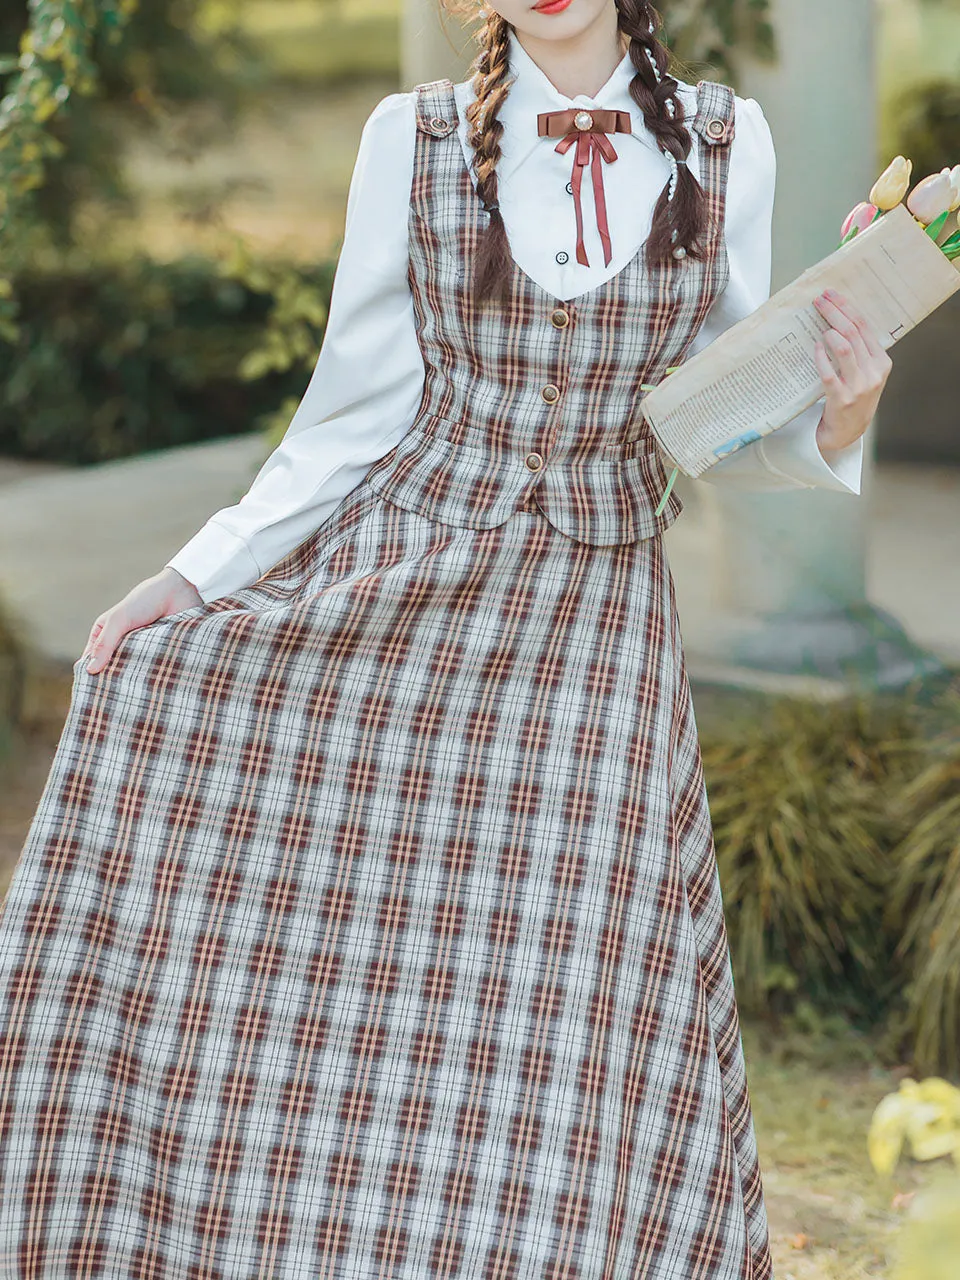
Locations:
(679, 219)
(680, 215)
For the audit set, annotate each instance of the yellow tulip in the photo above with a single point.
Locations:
(888, 1128)
(931, 197)
(893, 184)
(925, 1114)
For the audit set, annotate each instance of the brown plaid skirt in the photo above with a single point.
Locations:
(369, 926)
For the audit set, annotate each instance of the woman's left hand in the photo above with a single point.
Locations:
(853, 389)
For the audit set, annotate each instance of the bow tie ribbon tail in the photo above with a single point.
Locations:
(591, 149)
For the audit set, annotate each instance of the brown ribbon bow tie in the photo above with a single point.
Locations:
(588, 129)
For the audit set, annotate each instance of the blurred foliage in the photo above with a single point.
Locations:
(116, 359)
(924, 903)
(928, 125)
(797, 800)
(706, 32)
(56, 60)
(298, 312)
(838, 845)
(94, 58)
(923, 1116)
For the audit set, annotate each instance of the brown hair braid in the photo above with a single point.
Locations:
(491, 84)
(681, 222)
(677, 223)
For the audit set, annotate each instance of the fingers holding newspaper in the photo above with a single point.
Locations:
(853, 388)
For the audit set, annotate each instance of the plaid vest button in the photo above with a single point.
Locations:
(534, 461)
(560, 318)
(550, 393)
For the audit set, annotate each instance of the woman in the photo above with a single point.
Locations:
(369, 924)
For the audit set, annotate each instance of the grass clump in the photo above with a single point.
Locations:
(838, 845)
(923, 907)
(802, 837)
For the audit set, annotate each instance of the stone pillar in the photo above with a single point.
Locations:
(790, 608)
(432, 44)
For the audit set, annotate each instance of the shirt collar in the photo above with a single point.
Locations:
(531, 92)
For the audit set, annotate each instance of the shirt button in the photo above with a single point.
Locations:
(550, 393)
(534, 461)
(569, 188)
(560, 318)
(563, 257)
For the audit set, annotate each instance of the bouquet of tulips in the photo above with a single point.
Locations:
(932, 202)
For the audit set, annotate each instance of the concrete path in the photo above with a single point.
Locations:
(72, 542)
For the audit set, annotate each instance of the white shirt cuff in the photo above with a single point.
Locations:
(793, 452)
(216, 562)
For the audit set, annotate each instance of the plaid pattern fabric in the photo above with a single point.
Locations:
(369, 927)
(483, 412)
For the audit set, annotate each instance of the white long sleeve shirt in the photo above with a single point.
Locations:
(367, 383)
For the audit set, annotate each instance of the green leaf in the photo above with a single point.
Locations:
(936, 226)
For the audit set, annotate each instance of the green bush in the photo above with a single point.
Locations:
(923, 906)
(118, 359)
(838, 845)
(803, 835)
(142, 65)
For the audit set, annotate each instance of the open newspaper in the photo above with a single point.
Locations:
(760, 373)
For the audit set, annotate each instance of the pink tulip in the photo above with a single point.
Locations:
(931, 197)
(860, 217)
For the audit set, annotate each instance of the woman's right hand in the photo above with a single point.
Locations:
(157, 597)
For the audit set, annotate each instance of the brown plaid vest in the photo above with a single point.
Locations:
(537, 402)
